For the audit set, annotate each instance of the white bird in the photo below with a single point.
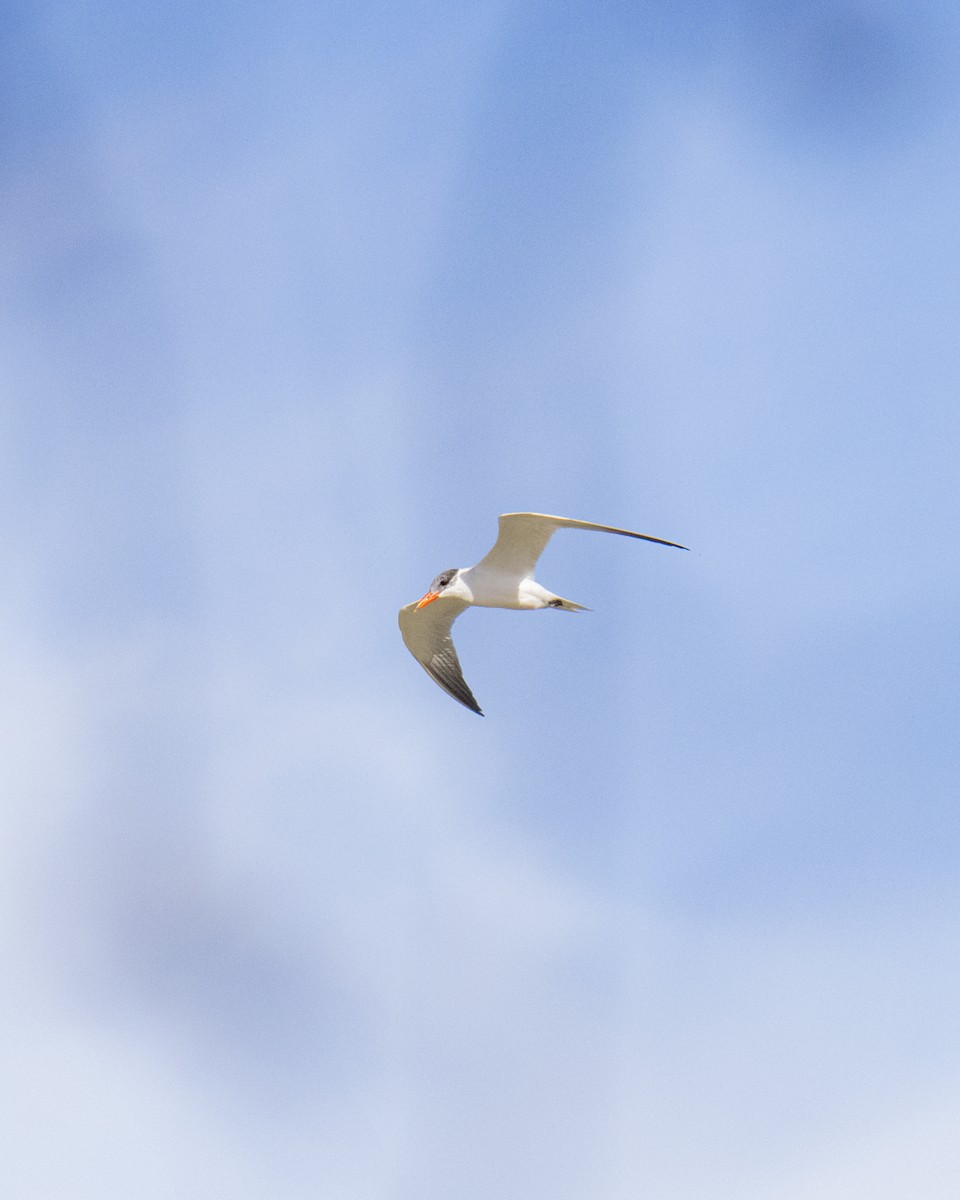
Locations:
(503, 579)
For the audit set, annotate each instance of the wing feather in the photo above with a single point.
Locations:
(523, 538)
(426, 633)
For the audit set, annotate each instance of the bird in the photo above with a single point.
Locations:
(503, 578)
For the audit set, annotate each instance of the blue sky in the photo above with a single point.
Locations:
(295, 302)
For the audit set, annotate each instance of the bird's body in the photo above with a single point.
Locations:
(502, 579)
(484, 588)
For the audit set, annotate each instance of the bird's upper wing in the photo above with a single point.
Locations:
(426, 632)
(523, 538)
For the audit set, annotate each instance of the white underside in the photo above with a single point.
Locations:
(492, 590)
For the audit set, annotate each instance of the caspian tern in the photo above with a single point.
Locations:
(503, 579)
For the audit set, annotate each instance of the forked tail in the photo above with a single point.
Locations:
(567, 605)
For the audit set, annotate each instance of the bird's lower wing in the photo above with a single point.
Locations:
(524, 536)
(426, 634)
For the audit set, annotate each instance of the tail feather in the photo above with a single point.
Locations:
(569, 605)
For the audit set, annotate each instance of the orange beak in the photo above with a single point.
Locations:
(428, 599)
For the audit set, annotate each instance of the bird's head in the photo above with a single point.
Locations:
(447, 583)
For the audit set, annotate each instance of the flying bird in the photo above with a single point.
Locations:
(502, 579)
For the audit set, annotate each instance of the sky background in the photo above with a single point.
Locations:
(294, 301)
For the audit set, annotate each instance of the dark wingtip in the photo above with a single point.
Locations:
(659, 541)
